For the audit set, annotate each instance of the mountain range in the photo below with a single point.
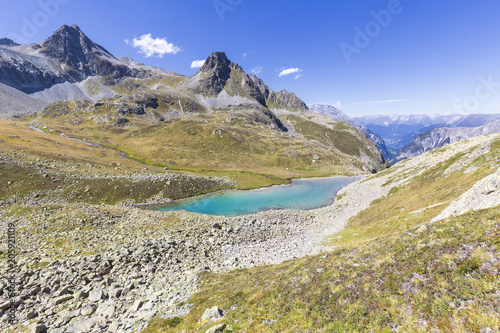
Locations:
(399, 130)
(442, 136)
(93, 143)
(68, 66)
(68, 78)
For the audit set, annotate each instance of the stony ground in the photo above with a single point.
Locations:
(99, 268)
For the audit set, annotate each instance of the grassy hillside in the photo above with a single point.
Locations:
(46, 165)
(180, 134)
(439, 277)
(392, 268)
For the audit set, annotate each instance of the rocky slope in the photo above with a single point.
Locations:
(442, 136)
(281, 99)
(96, 267)
(338, 115)
(61, 77)
(389, 256)
(55, 66)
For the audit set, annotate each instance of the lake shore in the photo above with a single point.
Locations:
(320, 192)
(128, 254)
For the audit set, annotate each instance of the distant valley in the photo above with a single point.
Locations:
(92, 144)
(398, 131)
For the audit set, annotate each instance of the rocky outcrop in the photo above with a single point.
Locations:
(484, 194)
(218, 70)
(281, 100)
(443, 136)
(7, 42)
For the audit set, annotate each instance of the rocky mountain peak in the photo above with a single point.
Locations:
(67, 39)
(216, 61)
(71, 47)
(7, 42)
(217, 69)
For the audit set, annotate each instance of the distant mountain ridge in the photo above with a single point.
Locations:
(439, 137)
(338, 115)
(399, 130)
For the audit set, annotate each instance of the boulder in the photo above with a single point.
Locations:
(216, 329)
(212, 314)
(96, 295)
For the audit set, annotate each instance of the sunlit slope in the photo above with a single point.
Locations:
(393, 268)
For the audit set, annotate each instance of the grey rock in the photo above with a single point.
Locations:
(484, 194)
(31, 315)
(106, 309)
(81, 294)
(81, 325)
(88, 310)
(216, 329)
(115, 292)
(137, 305)
(212, 314)
(61, 299)
(39, 328)
(96, 295)
(113, 327)
(63, 291)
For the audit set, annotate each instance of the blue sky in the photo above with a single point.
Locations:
(369, 57)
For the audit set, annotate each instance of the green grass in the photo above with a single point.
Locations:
(226, 143)
(344, 138)
(392, 270)
(439, 279)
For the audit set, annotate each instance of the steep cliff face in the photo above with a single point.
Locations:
(279, 100)
(439, 137)
(28, 73)
(218, 71)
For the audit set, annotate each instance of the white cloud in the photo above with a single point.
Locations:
(338, 105)
(197, 63)
(289, 71)
(257, 70)
(153, 47)
(245, 55)
(297, 76)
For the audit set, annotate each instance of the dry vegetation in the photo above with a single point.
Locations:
(392, 269)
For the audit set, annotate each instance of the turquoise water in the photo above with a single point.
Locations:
(302, 194)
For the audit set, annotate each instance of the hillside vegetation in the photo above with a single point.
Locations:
(232, 143)
(392, 268)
